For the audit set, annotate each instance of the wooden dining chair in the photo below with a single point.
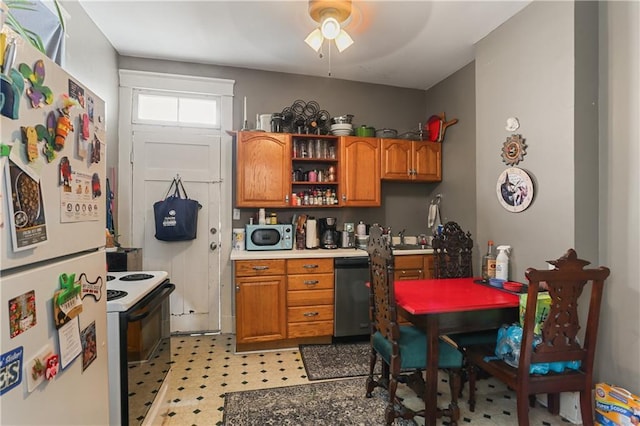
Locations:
(559, 335)
(403, 348)
(453, 251)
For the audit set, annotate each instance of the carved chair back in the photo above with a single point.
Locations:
(382, 302)
(560, 329)
(452, 251)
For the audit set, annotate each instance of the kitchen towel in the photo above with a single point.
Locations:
(434, 217)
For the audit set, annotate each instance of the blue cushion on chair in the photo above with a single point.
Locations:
(413, 350)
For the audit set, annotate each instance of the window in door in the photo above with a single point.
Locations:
(176, 109)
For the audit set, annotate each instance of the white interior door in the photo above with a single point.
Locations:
(194, 266)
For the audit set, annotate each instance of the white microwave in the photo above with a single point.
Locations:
(269, 237)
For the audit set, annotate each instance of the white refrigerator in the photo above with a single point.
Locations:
(53, 353)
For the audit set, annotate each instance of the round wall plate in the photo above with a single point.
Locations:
(514, 189)
(513, 150)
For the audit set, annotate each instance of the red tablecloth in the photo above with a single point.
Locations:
(450, 295)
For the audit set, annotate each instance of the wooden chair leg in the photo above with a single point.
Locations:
(532, 401)
(586, 408)
(455, 383)
(523, 402)
(553, 403)
(371, 382)
(472, 373)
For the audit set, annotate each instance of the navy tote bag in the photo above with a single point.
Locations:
(176, 216)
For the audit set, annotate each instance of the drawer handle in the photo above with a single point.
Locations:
(311, 282)
(311, 314)
(260, 268)
(310, 266)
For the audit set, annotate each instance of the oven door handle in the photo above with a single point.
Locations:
(153, 300)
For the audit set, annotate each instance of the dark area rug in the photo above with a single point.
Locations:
(338, 402)
(337, 360)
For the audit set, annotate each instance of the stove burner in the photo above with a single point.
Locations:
(136, 277)
(115, 294)
(110, 277)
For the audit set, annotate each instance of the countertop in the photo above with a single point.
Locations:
(313, 253)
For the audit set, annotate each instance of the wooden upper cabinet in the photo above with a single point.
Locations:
(427, 161)
(263, 169)
(360, 171)
(417, 161)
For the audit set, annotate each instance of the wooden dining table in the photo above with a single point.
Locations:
(446, 306)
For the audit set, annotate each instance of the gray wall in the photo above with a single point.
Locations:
(373, 105)
(584, 156)
(456, 96)
(618, 356)
(532, 78)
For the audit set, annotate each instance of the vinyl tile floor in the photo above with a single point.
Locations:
(205, 367)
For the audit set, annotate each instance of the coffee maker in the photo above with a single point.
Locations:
(328, 233)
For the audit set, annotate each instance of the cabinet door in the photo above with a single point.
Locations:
(263, 169)
(428, 266)
(427, 161)
(360, 165)
(397, 161)
(261, 309)
(408, 274)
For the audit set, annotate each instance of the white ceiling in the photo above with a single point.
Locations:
(412, 44)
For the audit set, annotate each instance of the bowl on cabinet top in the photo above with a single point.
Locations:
(386, 133)
(342, 119)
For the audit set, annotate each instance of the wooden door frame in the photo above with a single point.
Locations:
(130, 80)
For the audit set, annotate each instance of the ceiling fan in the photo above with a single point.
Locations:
(330, 14)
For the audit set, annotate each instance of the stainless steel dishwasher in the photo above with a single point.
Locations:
(351, 307)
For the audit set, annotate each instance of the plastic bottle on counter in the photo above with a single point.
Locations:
(361, 229)
(502, 262)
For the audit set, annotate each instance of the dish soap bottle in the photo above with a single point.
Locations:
(489, 263)
(502, 262)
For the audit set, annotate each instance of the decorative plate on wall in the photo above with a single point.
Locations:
(514, 189)
(513, 150)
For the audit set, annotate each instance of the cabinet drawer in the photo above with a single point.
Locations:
(310, 313)
(248, 268)
(309, 329)
(408, 262)
(310, 282)
(309, 297)
(309, 266)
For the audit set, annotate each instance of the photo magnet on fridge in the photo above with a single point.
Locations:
(11, 369)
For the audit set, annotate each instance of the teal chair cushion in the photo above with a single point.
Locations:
(413, 350)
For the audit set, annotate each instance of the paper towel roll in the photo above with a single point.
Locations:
(311, 238)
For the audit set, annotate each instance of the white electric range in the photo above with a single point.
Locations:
(139, 349)
(124, 289)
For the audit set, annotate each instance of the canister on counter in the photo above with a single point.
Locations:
(238, 238)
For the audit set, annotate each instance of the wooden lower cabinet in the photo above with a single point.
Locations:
(412, 267)
(309, 297)
(260, 300)
(409, 267)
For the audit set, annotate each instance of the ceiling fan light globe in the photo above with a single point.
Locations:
(343, 40)
(315, 39)
(330, 28)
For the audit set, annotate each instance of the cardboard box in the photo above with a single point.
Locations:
(542, 310)
(616, 406)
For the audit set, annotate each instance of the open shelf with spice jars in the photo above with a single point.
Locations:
(314, 171)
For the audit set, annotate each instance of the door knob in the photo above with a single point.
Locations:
(213, 231)
(213, 246)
